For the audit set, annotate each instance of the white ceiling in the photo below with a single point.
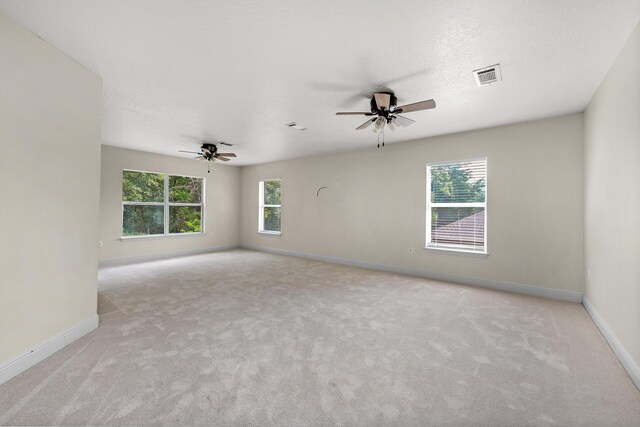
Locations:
(239, 70)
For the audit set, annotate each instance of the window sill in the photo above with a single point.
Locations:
(158, 236)
(456, 251)
(270, 233)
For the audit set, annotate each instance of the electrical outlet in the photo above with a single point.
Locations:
(99, 243)
(410, 251)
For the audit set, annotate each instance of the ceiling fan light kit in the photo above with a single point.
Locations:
(378, 125)
(385, 111)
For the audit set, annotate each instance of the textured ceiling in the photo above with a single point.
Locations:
(239, 70)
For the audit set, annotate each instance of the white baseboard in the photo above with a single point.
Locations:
(114, 262)
(40, 352)
(627, 362)
(537, 291)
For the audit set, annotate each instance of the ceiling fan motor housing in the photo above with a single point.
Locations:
(209, 150)
(393, 102)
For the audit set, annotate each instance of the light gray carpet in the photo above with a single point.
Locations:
(247, 338)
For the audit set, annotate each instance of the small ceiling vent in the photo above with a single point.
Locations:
(294, 125)
(487, 75)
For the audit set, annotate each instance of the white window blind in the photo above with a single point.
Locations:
(457, 205)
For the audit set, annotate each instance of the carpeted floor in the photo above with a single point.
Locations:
(247, 338)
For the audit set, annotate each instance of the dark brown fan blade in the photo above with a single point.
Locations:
(190, 152)
(345, 113)
(403, 121)
(228, 144)
(224, 159)
(366, 124)
(227, 154)
(382, 100)
(417, 106)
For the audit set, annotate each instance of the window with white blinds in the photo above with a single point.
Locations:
(457, 205)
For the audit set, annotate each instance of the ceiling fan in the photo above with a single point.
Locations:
(385, 111)
(209, 152)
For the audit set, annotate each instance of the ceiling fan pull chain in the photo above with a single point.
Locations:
(381, 132)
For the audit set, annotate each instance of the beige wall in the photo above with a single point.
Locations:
(612, 198)
(222, 204)
(50, 183)
(374, 207)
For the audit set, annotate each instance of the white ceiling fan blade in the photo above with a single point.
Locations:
(418, 106)
(382, 100)
(366, 124)
(403, 121)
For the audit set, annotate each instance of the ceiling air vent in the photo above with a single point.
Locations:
(487, 75)
(294, 125)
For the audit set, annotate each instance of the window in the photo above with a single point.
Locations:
(457, 206)
(270, 206)
(161, 204)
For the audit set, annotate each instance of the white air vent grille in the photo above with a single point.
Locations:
(488, 75)
(296, 126)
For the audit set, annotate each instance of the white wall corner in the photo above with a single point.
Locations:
(537, 291)
(40, 352)
(625, 358)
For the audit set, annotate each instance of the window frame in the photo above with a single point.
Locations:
(444, 247)
(262, 206)
(167, 205)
